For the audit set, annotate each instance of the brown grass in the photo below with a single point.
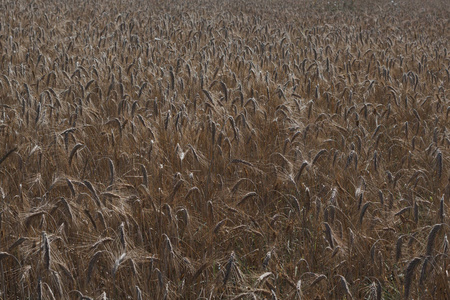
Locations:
(224, 150)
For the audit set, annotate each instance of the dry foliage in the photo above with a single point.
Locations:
(224, 149)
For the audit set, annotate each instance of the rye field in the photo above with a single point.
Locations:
(213, 149)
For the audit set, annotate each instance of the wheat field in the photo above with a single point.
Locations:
(224, 149)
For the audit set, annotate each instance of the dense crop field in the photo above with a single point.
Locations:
(224, 149)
